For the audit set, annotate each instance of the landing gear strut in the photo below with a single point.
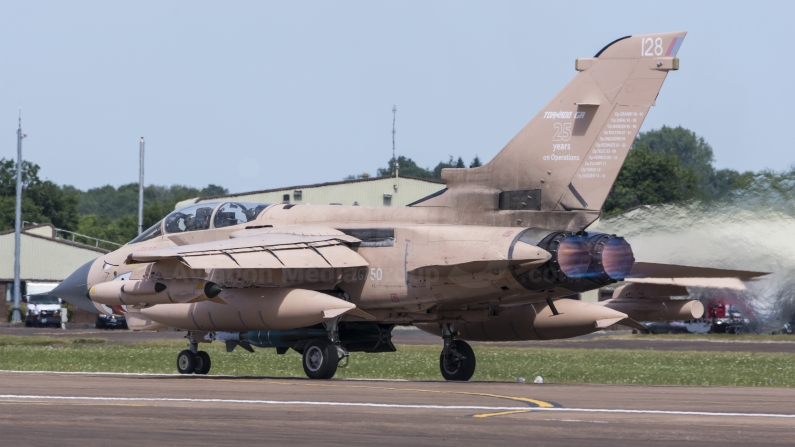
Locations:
(457, 360)
(191, 360)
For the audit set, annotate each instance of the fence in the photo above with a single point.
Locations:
(79, 238)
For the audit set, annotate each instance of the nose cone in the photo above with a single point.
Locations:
(73, 289)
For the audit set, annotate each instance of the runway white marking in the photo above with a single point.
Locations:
(23, 397)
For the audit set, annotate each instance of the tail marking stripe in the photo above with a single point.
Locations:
(674, 47)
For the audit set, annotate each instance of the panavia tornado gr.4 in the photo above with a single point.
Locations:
(491, 257)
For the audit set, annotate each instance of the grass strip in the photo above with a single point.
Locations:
(42, 340)
(638, 367)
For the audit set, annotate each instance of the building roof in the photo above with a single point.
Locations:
(367, 191)
(319, 185)
(44, 256)
(41, 231)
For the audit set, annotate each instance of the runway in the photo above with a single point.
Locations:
(120, 409)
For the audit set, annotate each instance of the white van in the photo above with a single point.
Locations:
(43, 309)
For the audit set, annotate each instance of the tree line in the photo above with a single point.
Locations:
(409, 167)
(666, 165)
(671, 165)
(106, 212)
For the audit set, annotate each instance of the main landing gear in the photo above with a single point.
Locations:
(191, 360)
(322, 356)
(320, 359)
(457, 360)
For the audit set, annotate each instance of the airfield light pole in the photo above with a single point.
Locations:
(141, 187)
(17, 315)
(394, 160)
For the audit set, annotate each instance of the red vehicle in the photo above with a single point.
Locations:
(725, 318)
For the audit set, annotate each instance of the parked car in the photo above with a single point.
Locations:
(111, 322)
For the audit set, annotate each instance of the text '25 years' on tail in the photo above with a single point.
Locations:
(558, 171)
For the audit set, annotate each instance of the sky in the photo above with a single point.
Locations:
(257, 95)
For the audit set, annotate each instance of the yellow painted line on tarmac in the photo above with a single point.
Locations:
(525, 400)
(502, 413)
(540, 403)
(536, 402)
(493, 409)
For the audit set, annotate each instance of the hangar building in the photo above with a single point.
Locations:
(376, 191)
(45, 259)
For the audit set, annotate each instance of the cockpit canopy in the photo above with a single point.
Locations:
(191, 218)
(203, 216)
(235, 213)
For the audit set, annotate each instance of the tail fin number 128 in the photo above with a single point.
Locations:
(651, 47)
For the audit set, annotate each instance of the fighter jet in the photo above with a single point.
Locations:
(494, 256)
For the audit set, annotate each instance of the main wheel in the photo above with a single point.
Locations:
(186, 362)
(460, 367)
(202, 363)
(320, 359)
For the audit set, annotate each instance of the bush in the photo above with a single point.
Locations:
(23, 311)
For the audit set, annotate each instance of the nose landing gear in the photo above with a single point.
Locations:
(457, 360)
(191, 360)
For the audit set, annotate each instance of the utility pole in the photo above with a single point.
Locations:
(394, 160)
(141, 187)
(17, 315)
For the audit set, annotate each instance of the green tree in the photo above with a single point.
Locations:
(437, 171)
(121, 230)
(407, 167)
(649, 178)
(696, 153)
(105, 212)
(42, 200)
(691, 149)
(724, 181)
(122, 201)
(213, 190)
(476, 163)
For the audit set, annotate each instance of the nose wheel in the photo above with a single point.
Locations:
(459, 364)
(457, 360)
(191, 360)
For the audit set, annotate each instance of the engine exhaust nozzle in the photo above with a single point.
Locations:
(611, 258)
(570, 256)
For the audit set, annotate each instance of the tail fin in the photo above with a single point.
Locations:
(568, 156)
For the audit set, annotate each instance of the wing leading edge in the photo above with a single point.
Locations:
(261, 251)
